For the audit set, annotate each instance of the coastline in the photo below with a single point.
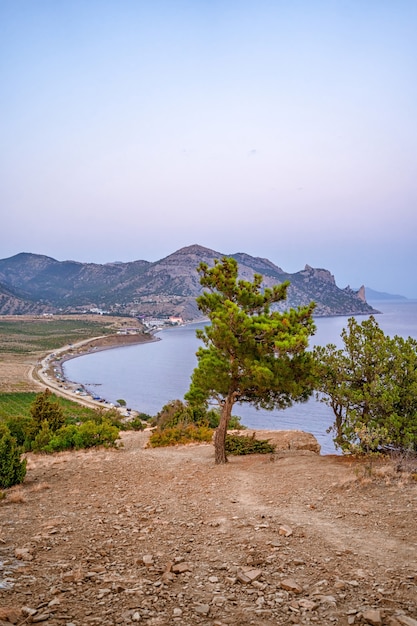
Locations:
(49, 374)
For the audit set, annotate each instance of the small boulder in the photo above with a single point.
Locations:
(289, 584)
(296, 440)
(405, 620)
(373, 617)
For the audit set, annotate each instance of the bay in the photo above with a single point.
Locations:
(149, 375)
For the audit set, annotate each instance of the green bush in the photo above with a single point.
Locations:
(48, 429)
(240, 445)
(90, 434)
(180, 434)
(173, 413)
(108, 415)
(44, 409)
(42, 438)
(21, 428)
(135, 424)
(371, 385)
(63, 439)
(12, 469)
(177, 412)
(145, 417)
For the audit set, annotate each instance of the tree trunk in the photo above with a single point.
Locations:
(221, 431)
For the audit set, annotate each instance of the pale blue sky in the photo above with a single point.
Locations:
(284, 129)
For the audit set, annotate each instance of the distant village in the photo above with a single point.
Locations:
(151, 323)
(154, 323)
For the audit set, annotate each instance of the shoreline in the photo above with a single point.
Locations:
(49, 373)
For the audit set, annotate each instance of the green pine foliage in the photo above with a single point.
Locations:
(42, 438)
(45, 409)
(240, 445)
(21, 428)
(12, 468)
(371, 385)
(252, 353)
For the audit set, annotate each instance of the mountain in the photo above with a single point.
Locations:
(14, 303)
(35, 283)
(372, 294)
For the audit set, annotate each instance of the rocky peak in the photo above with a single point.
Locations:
(359, 293)
(318, 274)
(362, 294)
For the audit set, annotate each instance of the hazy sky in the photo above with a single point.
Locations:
(284, 129)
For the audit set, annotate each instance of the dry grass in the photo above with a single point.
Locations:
(16, 495)
(397, 469)
(41, 487)
(41, 461)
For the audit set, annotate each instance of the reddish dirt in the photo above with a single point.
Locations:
(163, 536)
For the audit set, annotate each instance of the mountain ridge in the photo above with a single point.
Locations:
(161, 288)
(373, 294)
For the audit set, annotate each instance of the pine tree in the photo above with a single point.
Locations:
(43, 409)
(371, 385)
(252, 354)
(12, 469)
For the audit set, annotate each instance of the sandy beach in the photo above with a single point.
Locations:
(49, 371)
(35, 371)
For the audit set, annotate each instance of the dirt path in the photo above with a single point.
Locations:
(163, 536)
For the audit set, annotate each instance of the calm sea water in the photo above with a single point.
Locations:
(149, 375)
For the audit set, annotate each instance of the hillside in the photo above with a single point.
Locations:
(34, 283)
(372, 294)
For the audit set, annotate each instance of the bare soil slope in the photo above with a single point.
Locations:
(163, 536)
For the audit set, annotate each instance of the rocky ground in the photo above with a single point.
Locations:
(163, 536)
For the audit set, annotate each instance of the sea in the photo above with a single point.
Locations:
(149, 375)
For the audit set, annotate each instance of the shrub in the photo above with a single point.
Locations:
(371, 385)
(177, 412)
(90, 434)
(180, 434)
(86, 435)
(12, 469)
(42, 439)
(173, 413)
(21, 428)
(145, 417)
(63, 439)
(240, 445)
(48, 430)
(44, 409)
(135, 424)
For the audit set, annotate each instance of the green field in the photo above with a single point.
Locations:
(28, 336)
(18, 405)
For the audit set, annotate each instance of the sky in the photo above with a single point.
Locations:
(286, 129)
